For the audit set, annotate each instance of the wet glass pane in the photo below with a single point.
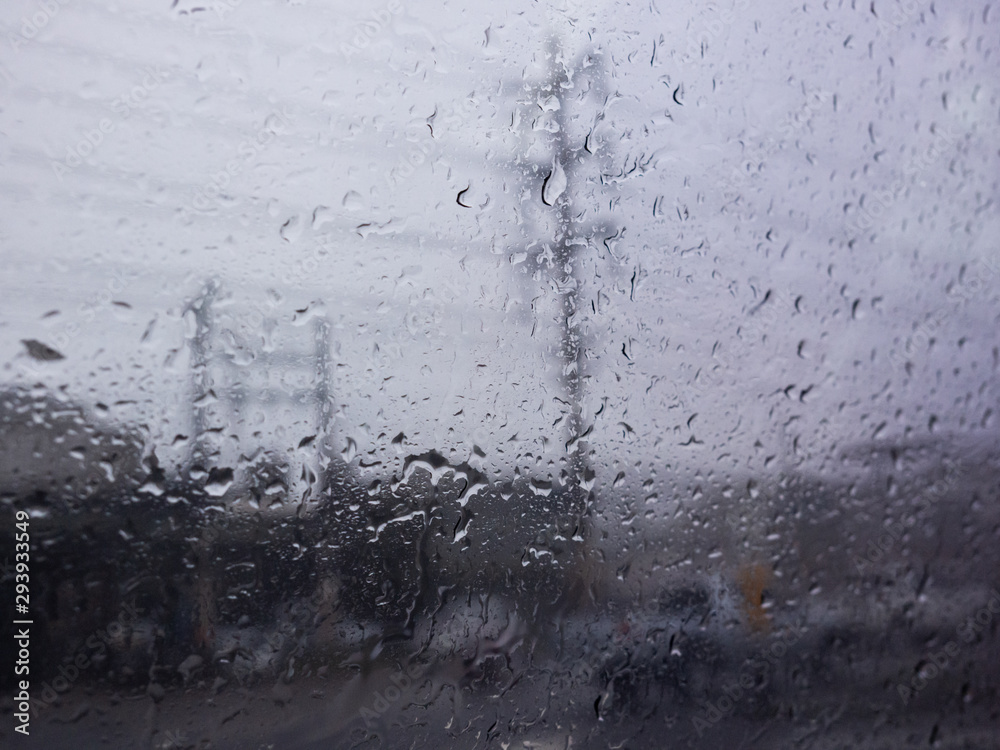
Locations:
(536, 375)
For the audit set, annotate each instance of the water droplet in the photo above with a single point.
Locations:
(554, 185)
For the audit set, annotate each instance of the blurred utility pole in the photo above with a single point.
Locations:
(216, 377)
(201, 377)
(564, 164)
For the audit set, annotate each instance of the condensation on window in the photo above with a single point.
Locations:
(568, 375)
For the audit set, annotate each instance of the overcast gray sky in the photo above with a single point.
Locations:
(736, 148)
